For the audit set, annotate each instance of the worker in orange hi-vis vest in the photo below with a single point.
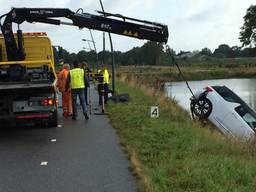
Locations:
(66, 95)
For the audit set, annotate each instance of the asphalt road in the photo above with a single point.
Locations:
(76, 156)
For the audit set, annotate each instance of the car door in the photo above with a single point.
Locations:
(233, 121)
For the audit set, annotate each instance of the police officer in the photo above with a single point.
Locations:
(87, 70)
(77, 82)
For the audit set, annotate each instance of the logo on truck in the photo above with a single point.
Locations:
(41, 12)
(105, 26)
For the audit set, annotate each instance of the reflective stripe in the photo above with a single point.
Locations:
(77, 78)
(106, 77)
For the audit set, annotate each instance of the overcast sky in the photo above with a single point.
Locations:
(193, 24)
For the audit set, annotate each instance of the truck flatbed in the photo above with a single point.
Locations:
(25, 85)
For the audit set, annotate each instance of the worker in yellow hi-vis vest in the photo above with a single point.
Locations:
(77, 82)
(105, 83)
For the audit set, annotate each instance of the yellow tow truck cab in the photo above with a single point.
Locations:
(28, 87)
(38, 49)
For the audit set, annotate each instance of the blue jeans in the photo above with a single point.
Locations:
(86, 95)
(80, 94)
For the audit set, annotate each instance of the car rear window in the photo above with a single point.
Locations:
(227, 94)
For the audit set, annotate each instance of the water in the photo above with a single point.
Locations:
(245, 88)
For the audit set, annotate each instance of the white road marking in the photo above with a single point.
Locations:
(53, 140)
(44, 163)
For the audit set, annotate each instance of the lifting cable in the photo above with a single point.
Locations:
(168, 49)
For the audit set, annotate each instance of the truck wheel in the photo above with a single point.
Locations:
(201, 108)
(53, 121)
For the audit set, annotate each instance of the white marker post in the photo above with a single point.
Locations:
(154, 112)
(44, 163)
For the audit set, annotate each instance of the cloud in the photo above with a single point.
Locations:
(207, 23)
(129, 8)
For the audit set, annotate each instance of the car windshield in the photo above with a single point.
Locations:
(248, 115)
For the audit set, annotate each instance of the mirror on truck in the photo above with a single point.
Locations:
(60, 53)
(58, 57)
(1, 57)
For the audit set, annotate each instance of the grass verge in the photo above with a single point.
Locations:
(172, 153)
(153, 75)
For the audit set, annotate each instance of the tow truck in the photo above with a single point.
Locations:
(27, 68)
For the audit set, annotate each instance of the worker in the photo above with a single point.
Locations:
(66, 95)
(87, 71)
(86, 67)
(99, 78)
(77, 81)
(105, 83)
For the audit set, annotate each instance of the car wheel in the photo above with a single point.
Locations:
(53, 121)
(201, 108)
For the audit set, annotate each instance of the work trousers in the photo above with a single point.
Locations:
(66, 103)
(86, 95)
(78, 93)
(105, 86)
(100, 92)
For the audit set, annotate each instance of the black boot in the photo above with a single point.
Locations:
(86, 116)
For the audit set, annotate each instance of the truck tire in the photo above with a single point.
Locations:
(53, 121)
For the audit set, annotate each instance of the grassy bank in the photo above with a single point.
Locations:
(173, 153)
(219, 62)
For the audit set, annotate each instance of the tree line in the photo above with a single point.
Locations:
(152, 53)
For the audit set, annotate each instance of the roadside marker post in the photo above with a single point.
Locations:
(154, 112)
(44, 163)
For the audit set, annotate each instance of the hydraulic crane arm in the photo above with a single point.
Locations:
(118, 25)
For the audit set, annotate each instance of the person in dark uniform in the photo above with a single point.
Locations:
(87, 70)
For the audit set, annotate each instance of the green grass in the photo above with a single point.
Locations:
(176, 154)
(218, 62)
(193, 69)
(190, 73)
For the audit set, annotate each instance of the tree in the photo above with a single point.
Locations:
(206, 51)
(223, 51)
(150, 52)
(236, 51)
(248, 31)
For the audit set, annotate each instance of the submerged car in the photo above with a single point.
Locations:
(226, 111)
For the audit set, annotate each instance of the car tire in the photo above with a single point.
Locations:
(201, 108)
(53, 121)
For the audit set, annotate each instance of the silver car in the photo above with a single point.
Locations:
(226, 111)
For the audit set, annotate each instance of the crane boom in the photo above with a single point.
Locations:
(117, 24)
